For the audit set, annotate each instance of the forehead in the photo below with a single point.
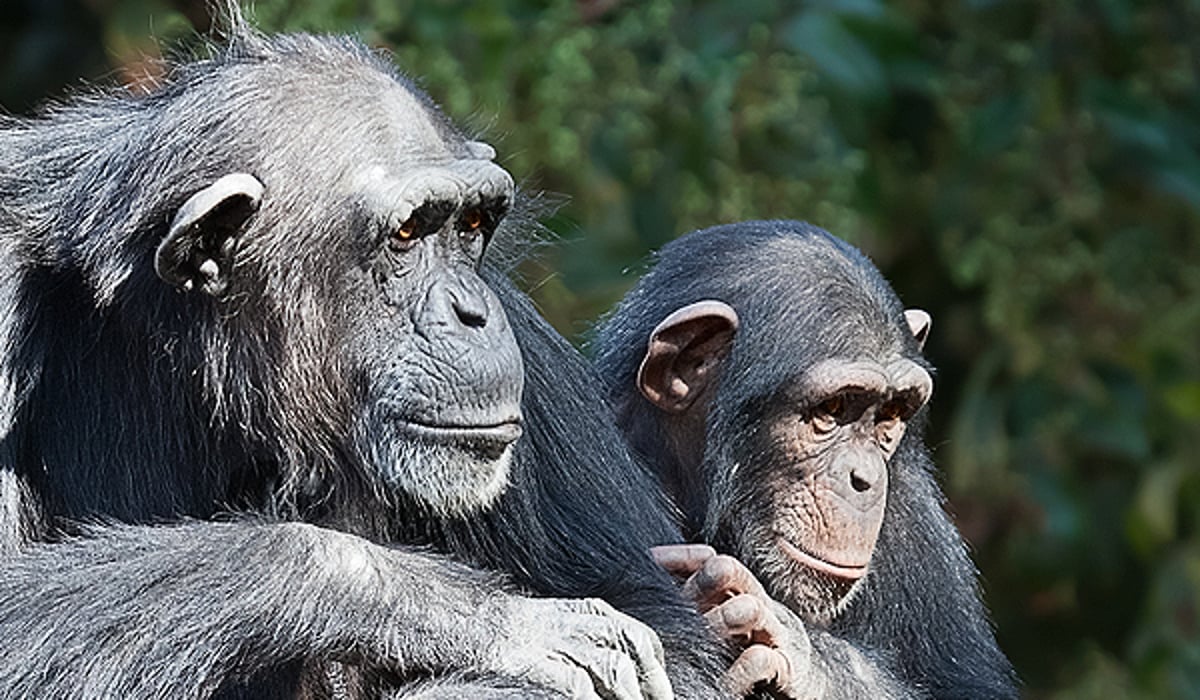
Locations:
(356, 128)
(410, 125)
(350, 102)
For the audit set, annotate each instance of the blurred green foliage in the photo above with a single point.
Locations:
(1027, 171)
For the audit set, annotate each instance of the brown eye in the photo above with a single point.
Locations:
(472, 220)
(407, 230)
(891, 422)
(833, 406)
(890, 411)
(405, 236)
(825, 416)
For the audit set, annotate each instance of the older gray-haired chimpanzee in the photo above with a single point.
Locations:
(777, 383)
(255, 290)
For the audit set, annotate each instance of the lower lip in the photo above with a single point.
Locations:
(852, 573)
(503, 433)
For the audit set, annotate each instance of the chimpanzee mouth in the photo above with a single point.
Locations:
(851, 572)
(477, 437)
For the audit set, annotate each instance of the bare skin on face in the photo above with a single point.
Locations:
(828, 443)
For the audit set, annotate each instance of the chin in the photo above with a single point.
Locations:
(448, 479)
(817, 596)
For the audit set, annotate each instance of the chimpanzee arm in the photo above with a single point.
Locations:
(176, 611)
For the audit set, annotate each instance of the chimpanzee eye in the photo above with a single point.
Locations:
(404, 237)
(892, 410)
(827, 413)
(833, 406)
(472, 220)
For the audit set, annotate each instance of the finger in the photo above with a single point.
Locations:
(719, 579)
(769, 629)
(748, 619)
(654, 683)
(646, 649)
(619, 674)
(757, 664)
(738, 619)
(612, 674)
(639, 645)
(682, 559)
(562, 673)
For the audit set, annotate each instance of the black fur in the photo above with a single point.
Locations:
(802, 296)
(585, 523)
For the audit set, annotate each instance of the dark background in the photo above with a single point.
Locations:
(1027, 171)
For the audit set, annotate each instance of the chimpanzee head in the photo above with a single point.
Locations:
(316, 226)
(363, 215)
(781, 373)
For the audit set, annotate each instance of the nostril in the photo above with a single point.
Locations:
(860, 484)
(470, 318)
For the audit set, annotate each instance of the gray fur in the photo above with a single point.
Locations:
(124, 399)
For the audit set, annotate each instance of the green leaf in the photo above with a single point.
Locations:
(840, 56)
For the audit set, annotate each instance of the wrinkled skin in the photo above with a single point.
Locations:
(778, 654)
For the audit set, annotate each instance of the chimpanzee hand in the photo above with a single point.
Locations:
(774, 643)
(582, 648)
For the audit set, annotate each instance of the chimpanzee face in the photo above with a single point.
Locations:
(793, 465)
(366, 240)
(812, 485)
(442, 401)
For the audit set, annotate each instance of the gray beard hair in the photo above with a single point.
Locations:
(450, 480)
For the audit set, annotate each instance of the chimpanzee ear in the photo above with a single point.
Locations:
(198, 250)
(685, 353)
(481, 150)
(919, 322)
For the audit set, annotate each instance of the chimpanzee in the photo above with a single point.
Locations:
(776, 383)
(247, 361)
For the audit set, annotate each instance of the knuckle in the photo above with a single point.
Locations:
(614, 674)
(766, 664)
(597, 606)
(641, 640)
(758, 656)
(722, 567)
(742, 612)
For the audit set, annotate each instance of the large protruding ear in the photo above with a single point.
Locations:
(919, 322)
(198, 250)
(685, 353)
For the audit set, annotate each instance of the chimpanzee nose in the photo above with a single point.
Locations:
(859, 476)
(867, 474)
(471, 310)
(457, 304)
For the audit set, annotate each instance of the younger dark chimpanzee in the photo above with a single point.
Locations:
(776, 383)
(256, 290)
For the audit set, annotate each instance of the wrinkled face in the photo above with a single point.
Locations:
(351, 255)
(438, 367)
(812, 498)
